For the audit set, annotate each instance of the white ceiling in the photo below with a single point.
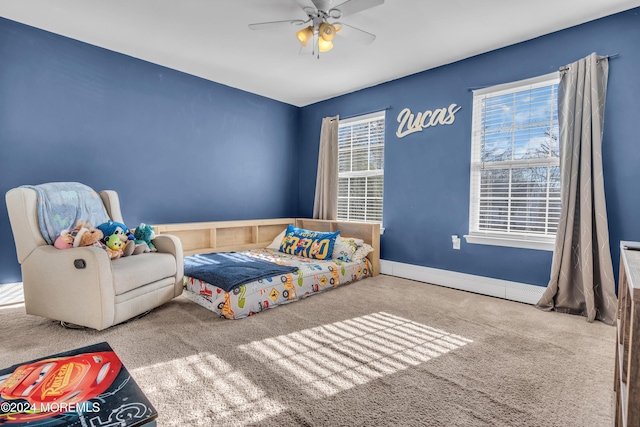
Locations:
(210, 38)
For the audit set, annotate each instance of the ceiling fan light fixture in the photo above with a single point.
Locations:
(324, 45)
(304, 35)
(327, 31)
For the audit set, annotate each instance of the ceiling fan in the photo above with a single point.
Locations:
(322, 24)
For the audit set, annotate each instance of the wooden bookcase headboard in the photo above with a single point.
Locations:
(230, 236)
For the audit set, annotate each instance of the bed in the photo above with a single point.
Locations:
(251, 239)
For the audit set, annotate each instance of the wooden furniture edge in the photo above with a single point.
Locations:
(627, 362)
(230, 236)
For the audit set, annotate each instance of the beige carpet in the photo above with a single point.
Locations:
(381, 352)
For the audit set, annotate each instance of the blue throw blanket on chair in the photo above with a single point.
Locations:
(228, 270)
(61, 205)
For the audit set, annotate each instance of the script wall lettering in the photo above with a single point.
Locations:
(410, 123)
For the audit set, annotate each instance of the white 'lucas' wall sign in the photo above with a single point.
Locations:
(410, 123)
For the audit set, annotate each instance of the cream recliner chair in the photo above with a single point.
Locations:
(82, 285)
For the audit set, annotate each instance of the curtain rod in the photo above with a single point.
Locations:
(366, 112)
(566, 68)
(562, 69)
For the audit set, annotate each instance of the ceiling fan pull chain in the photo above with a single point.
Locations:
(315, 45)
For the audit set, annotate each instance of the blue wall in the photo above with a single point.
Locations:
(178, 148)
(175, 147)
(427, 173)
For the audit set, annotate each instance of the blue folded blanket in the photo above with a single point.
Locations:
(61, 205)
(228, 270)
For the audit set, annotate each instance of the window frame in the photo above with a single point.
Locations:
(370, 117)
(493, 237)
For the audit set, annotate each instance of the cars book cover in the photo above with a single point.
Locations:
(88, 386)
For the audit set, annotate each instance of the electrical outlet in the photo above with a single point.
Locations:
(456, 242)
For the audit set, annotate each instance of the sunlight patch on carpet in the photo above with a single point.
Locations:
(328, 359)
(231, 397)
(11, 294)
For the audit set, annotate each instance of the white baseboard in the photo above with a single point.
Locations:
(514, 291)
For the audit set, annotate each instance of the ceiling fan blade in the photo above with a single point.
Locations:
(276, 24)
(322, 4)
(352, 6)
(306, 5)
(355, 34)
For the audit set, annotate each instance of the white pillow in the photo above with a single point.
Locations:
(362, 252)
(277, 241)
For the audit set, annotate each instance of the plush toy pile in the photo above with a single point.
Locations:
(114, 237)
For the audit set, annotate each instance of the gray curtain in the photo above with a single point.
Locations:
(581, 280)
(325, 204)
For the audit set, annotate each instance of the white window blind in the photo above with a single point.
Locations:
(361, 168)
(515, 172)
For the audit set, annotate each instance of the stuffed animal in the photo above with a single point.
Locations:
(114, 243)
(64, 240)
(144, 234)
(113, 228)
(67, 237)
(88, 237)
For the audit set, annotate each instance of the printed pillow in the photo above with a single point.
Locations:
(308, 243)
(277, 241)
(345, 247)
(362, 252)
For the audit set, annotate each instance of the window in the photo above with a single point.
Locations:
(515, 166)
(361, 168)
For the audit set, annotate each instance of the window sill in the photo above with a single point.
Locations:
(526, 242)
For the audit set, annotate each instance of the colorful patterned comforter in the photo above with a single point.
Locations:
(312, 276)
